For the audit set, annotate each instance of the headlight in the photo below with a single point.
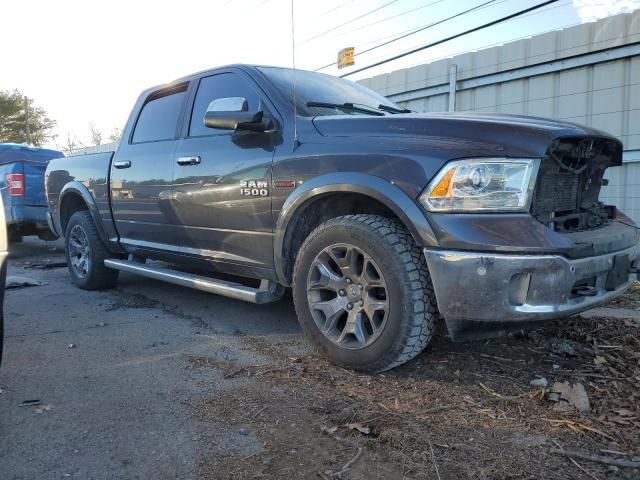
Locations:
(482, 185)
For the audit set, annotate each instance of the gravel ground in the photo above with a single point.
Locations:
(154, 381)
(110, 373)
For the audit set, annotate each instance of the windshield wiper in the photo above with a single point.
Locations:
(389, 109)
(347, 106)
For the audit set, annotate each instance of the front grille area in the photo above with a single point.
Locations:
(560, 191)
(569, 181)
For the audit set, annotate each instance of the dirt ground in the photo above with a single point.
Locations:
(460, 410)
(154, 381)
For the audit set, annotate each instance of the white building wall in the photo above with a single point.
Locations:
(105, 147)
(604, 93)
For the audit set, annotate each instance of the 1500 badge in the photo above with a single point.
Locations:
(254, 188)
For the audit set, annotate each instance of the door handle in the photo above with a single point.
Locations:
(122, 164)
(195, 160)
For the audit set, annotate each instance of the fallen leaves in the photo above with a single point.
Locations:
(349, 426)
(359, 427)
(569, 396)
(576, 427)
(599, 360)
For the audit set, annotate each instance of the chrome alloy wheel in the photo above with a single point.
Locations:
(347, 296)
(79, 251)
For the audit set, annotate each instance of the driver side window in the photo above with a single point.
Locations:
(222, 85)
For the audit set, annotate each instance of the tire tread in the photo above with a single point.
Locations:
(423, 317)
(100, 277)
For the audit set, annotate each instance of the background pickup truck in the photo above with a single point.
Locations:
(380, 220)
(22, 182)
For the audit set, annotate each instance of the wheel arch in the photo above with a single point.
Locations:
(73, 198)
(336, 194)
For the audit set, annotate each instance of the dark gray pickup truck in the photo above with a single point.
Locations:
(380, 220)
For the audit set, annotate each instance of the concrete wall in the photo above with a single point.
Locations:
(588, 74)
(624, 189)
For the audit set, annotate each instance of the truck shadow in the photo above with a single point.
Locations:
(34, 247)
(208, 311)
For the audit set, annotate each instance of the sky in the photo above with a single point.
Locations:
(86, 61)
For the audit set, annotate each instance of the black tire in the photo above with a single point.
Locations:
(92, 275)
(411, 309)
(14, 236)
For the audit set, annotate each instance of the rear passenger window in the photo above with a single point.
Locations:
(159, 118)
(222, 85)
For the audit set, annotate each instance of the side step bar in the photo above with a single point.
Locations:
(267, 292)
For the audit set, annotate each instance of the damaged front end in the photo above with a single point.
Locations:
(566, 196)
(587, 251)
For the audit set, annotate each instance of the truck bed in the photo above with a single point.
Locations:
(22, 171)
(90, 174)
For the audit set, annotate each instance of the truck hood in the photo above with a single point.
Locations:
(511, 135)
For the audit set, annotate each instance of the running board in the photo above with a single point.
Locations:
(267, 292)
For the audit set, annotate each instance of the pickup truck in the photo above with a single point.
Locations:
(380, 220)
(4, 254)
(22, 184)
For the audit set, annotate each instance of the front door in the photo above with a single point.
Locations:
(142, 174)
(222, 182)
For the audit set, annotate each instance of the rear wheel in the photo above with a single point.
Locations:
(363, 293)
(14, 235)
(86, 253)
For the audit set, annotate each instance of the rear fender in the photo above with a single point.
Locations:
(77, 188)
(377, 188)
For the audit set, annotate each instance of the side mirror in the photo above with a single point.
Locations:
(232, 113)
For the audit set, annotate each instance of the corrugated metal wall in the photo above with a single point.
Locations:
(588, 74)
(105, 147)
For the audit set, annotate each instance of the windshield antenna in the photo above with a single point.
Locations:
(296, 143)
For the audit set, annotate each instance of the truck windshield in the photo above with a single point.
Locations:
(316, 93)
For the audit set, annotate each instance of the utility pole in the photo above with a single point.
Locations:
(26, 116)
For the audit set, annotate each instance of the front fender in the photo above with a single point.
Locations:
(377, 188)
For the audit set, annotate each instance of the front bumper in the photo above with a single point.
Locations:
(511, 289)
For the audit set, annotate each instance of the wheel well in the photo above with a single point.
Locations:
(318, 210)
(71, 203)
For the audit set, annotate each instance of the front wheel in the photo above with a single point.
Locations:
(86, 254)
(363, 294)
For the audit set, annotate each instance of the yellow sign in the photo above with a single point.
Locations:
(346, 57)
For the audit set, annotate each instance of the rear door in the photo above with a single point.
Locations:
(222, 199)
(142, 171)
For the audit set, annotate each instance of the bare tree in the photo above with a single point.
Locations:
(116, 133)
(71, 144)
(96, 135)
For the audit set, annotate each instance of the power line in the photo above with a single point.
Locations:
(452, 37)
(335, 8)
(480, 47)
(502, 42)
(415, 31)
(386, 19)
(347, 23)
